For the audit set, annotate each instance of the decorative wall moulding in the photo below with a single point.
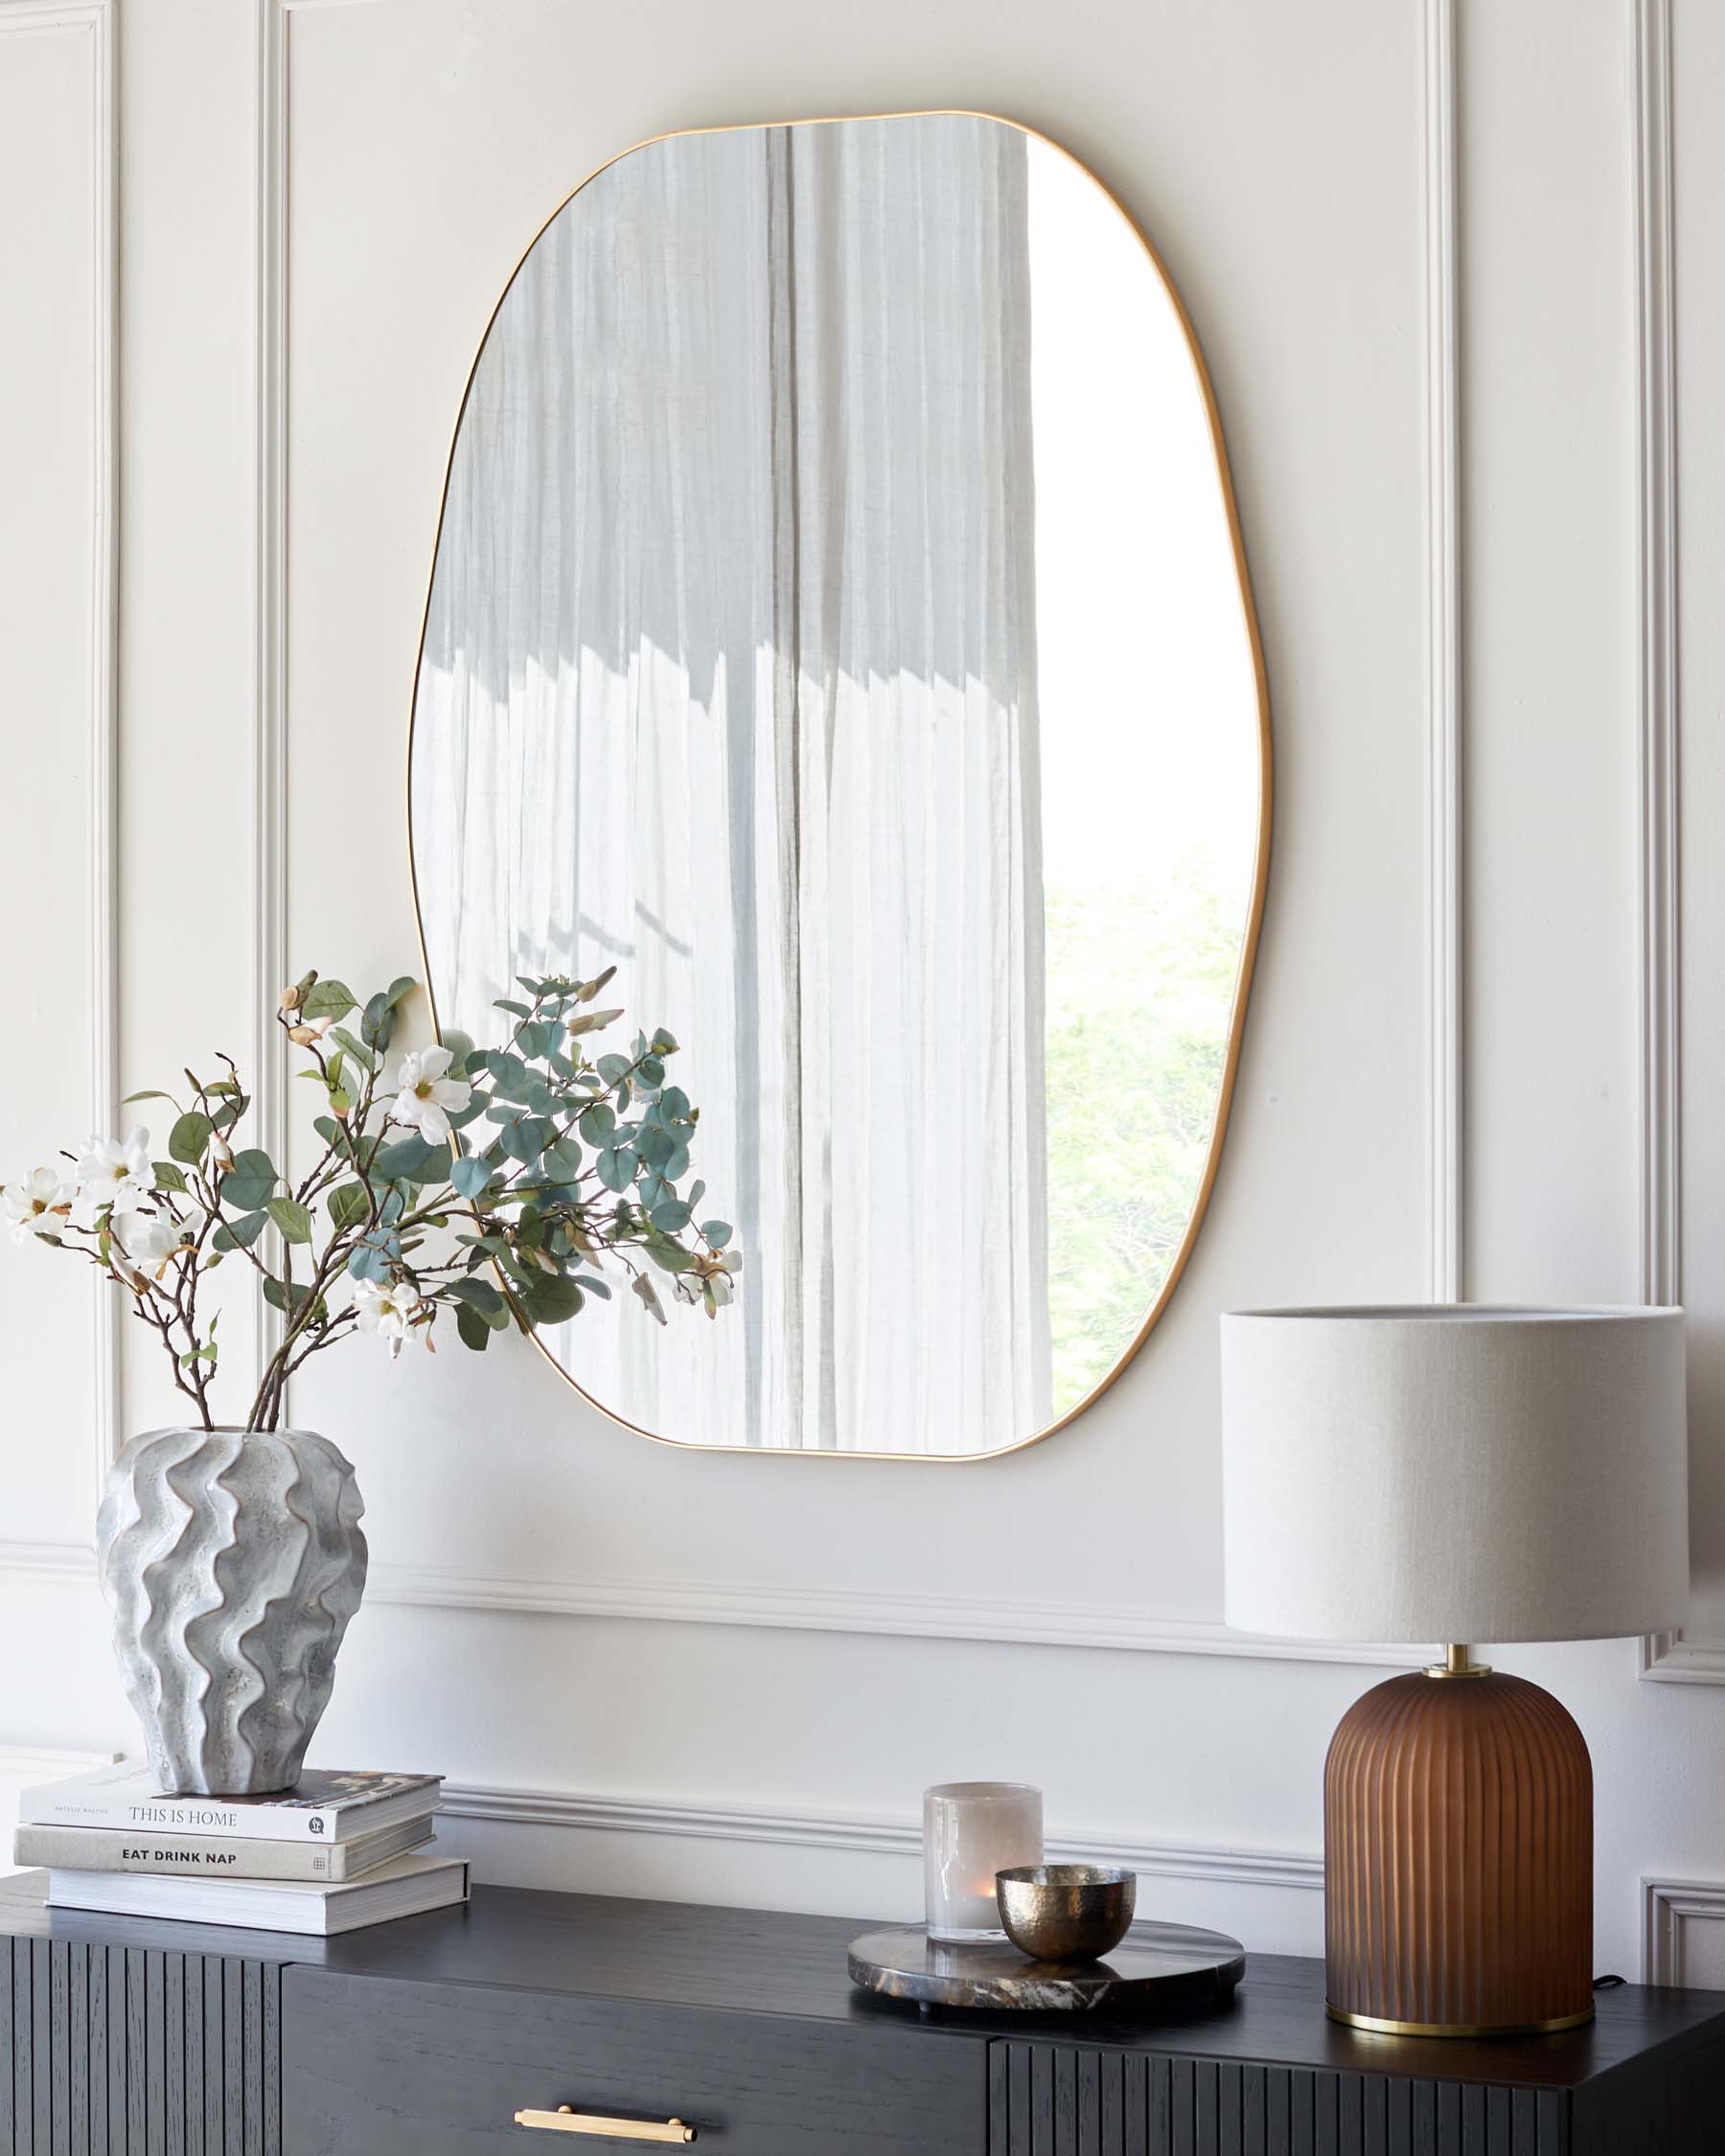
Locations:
(1056, 1624)
(1668, 1907)
(1672, 1657)
(861, 1836)
(1445, 860)
(74, 1561)
(1656, 476)
(268, 816)
(1666, 1657)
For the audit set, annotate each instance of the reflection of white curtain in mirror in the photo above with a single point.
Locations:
(740, 542)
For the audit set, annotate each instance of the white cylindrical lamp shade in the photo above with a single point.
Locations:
(1455, 1471)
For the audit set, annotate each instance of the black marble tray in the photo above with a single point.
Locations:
(1156, 1969)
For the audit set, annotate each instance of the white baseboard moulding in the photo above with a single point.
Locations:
(846, 1833)
(1668, 1908)
(860, 1835)
(834, 1833)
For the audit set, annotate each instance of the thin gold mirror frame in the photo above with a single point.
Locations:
(1249, 943)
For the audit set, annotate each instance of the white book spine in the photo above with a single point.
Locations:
(308, 1908)
(211, 1856)
(244, 1822)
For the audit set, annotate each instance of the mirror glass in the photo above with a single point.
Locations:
(838, 626)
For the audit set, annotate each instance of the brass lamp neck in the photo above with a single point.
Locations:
(1457, 1662)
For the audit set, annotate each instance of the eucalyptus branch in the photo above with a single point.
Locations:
(497, 1184)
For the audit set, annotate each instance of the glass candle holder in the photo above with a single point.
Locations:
(971, 1830)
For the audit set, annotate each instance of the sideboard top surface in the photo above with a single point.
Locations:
(763, 1962)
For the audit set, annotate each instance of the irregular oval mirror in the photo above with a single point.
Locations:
(839, 626)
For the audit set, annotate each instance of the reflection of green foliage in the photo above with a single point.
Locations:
(1141, 988)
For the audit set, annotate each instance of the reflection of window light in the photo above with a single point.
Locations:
(1149, 716)
(1148, 722)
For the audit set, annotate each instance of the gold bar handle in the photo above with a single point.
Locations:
(567, 2119)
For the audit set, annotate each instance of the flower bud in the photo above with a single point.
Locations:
(290, 998)
(302, 1034)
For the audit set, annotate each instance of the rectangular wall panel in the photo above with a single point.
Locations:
(418, 146)
(1549, 590)
(56, 620)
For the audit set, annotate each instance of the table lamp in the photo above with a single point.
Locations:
(1456, 1473)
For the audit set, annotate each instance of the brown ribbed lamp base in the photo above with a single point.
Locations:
(1458, 1842)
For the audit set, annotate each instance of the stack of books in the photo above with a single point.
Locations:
(338, 1852)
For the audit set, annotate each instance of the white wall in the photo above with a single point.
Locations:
(729, 1677)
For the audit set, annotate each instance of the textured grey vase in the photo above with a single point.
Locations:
(234, 1560)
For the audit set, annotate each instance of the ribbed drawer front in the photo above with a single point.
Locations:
(1058, 2099)
(122, 2050)
(382, 2068)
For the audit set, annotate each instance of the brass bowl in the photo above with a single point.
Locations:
(1066, 1912)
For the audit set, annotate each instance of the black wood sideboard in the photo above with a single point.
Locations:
(426, 2037)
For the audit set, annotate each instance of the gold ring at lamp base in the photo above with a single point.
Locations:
(1375, 2026)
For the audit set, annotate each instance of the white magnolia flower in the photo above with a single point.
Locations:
(150, 1241)
(114, 1174)
(426, 1095)
(384, 1309)
(30, 1204)
(710, 1281)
